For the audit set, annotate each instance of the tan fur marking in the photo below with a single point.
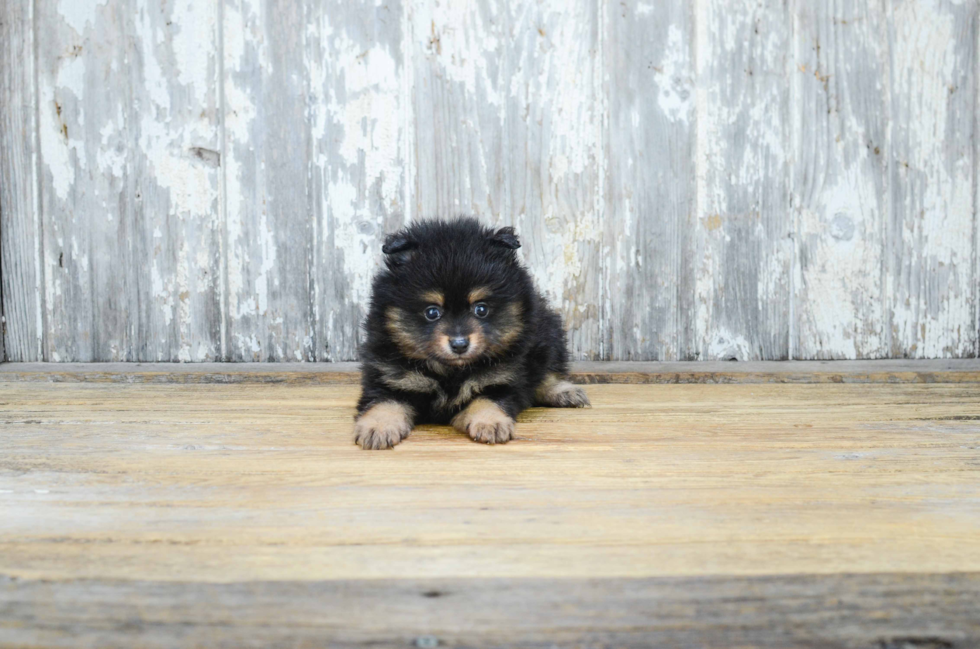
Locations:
(434, 297)
(383, 425)
(475, 385)
(511, 325)
(556, 392)
(484, 421)
(479, 293)
(403, 338)
(408, 381)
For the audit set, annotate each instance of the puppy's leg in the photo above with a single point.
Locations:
(557, 392)
(485, 421)
(383, 425)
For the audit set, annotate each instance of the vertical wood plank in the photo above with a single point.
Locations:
(509, 118)
(176, 169)
(23, 328)
(650, 192)
(270, 233)
(743, 228)
(840, 179)
(931, 274)
(359, 114)
(127, 126)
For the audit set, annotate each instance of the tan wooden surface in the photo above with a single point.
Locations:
(221, 483)
(178, 490)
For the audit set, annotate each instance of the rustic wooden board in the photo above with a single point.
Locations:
(508, 127)
(261, 482)
(883, 371)
(270, 237)
(648, 52)
(20, 274)
(128, 113)
(314, 175)
(931, 281)
(744, 246)
(212, 181)
(674, 515)
(891, 611)
(840, 188)
(361, 120)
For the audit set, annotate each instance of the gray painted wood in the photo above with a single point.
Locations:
(213, 180)
(20, 278)
(931, 236)
(508, 126)
(128, 112)
(314, 177)
(360, 108)
(650, 242)
(268, 148)
(744, 250)
(840, 199)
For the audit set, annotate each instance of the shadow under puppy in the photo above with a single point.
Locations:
(457, 333)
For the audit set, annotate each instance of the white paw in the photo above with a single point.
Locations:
(382, 426)
(485, 422)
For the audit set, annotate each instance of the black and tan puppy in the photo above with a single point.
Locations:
(457, 333)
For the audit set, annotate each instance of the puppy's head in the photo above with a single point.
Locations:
(455, 292)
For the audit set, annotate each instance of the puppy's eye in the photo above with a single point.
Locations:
(433, 313)
(480, 310)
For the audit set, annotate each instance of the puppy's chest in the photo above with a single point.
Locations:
(447, 393)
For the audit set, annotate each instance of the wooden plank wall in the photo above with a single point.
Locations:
(200, 181)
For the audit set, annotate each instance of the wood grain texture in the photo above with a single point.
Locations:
(651, 258)
(888, 611)
(931, 284)
(760, 180)
(242, 515)
(361, 120)
(270, 237)
(744, 249)
(261, 482)
(314, 176)
(840, 180)
(22, 330)
(128, 108)
(881, 371)
(508, 126)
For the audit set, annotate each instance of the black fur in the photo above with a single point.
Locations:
(402, 358)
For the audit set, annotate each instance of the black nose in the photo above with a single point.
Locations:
(459, 345)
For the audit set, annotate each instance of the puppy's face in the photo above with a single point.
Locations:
(455, 326)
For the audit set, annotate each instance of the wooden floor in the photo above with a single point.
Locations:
(758, 514)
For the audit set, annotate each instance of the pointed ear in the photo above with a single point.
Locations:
(506, 238)
(398, 249)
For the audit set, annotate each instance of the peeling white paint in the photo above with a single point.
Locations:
(676, 95)
(79, 14)
(502, 109)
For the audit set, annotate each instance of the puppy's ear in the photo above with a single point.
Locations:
(506, 238)
(398, 249)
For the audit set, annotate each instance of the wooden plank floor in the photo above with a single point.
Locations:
(773, 515)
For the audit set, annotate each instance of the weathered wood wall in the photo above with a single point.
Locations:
(212, 180)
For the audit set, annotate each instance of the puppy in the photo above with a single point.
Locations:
(457, 333)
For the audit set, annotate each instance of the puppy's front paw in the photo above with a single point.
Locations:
(485, 422)
(383, 425)
(555, 392)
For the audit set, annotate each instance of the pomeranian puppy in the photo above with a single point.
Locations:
(457, 333)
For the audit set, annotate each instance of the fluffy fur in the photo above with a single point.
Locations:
(457, 333)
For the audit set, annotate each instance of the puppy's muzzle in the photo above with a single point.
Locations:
(459, 345)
